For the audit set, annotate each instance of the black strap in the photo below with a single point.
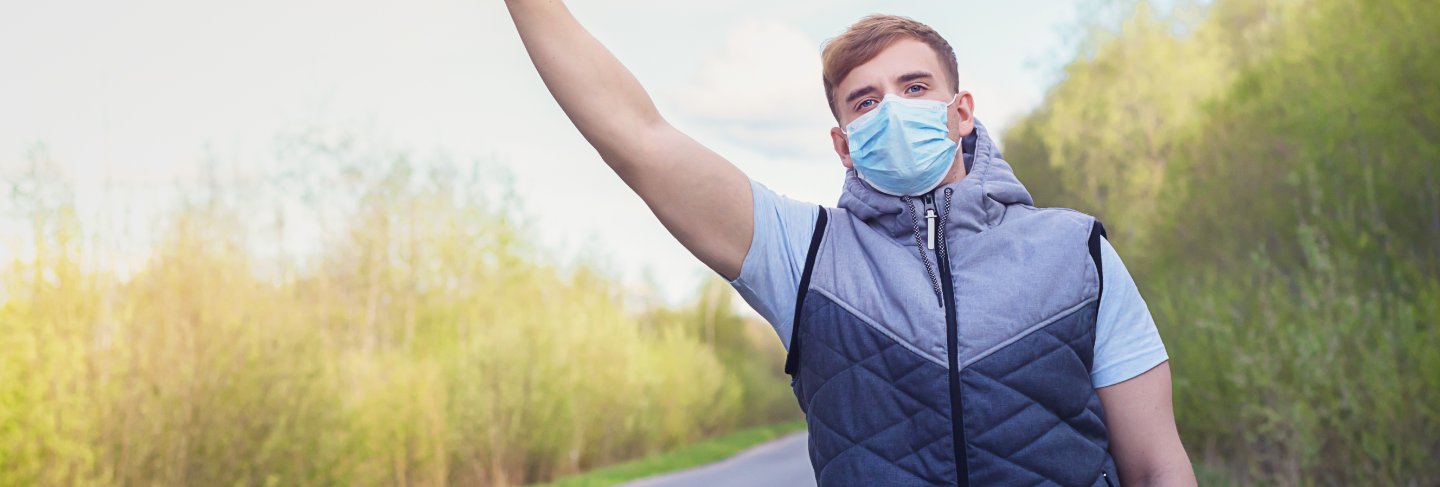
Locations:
(792, 359)
(1097, 232)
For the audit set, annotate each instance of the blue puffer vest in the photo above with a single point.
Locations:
(963, 364)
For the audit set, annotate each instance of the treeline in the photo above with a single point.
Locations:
(424, 343)
(1271, 172)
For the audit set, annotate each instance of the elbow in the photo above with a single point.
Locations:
(1167, 467)
(622, 132)
(1175, 475)
(649, 122)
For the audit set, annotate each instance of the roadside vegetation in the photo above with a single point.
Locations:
(425, 341)
(1270, 169)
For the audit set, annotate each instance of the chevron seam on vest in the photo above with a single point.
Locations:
(876, 325)
(1062, 314)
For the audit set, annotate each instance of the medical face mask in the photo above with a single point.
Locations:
(903, 146)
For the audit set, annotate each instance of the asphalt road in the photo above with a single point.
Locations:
(782, 462)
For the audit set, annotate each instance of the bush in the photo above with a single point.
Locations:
(421, 343)
(1269, 171)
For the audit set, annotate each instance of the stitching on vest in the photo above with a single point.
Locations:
(1032, 329)
(857, 368)
(990, 156)
(861, 445)
(991, 442)
(985, 192)
(875, 324)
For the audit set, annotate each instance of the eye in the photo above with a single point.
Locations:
(915, 88)
(867, 103)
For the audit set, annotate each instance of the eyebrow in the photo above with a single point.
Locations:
(912, 76)
(869, 90)
(855, 95)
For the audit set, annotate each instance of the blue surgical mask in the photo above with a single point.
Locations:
(903, 146)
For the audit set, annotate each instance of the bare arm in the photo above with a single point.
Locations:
(701, 198)
(1141, 419)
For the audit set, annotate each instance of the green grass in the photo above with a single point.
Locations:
(701, 453)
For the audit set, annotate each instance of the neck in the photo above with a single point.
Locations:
(957, 166)
(957, 170)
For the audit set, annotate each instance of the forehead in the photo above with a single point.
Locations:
(903, 56)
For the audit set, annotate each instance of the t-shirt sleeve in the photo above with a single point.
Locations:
(770, 274)
(1126, 341)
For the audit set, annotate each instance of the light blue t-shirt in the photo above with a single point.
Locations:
(1126, 341)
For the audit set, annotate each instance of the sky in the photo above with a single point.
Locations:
(128, 98)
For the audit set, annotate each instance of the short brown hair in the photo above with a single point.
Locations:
(872, 34)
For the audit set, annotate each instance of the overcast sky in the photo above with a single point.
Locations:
(136, 93)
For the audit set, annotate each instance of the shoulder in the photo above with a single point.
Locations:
(780, 219)
(1127, 342)
(1057, 218)
(1054, 226)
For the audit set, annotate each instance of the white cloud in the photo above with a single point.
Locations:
(762, 91)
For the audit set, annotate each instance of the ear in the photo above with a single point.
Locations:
(963, 112)
(842, 146)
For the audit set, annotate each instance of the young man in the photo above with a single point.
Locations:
(941, 329)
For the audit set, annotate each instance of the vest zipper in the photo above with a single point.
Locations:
(952, 338)
(930, 228)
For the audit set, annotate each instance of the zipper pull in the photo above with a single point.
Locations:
(930, 228)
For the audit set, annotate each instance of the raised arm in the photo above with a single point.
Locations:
(701, 198)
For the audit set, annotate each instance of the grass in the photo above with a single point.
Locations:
(703, 452)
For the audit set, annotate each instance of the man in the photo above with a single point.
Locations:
(941, 330)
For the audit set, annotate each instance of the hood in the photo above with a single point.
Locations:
(977, 201)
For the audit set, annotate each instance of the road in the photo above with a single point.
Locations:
(783, 462)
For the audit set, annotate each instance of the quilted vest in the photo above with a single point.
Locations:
(967, 366)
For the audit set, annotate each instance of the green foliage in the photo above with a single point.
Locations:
(1273, 175)
(1113, 119)
(424, 343)
(1286, 377)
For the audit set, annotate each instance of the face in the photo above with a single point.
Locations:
(910, 69)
